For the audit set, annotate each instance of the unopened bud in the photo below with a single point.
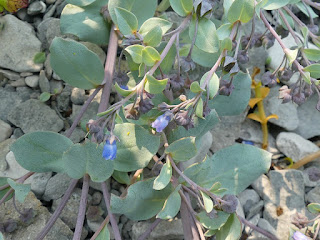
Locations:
(182, 98)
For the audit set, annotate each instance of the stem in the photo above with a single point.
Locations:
(252, 32)
(310, 17)
(82, 207)
(260, 230)
(316, 232)
(305, 160)
(14, 204)
(238, 45)
(25, 177)
(194, 39)
(109, 69)
(289, 27)
(262, 115)
(3, 199)
(58, 211)
(312, 4)
(105, 222)
(150, 229)
(135, 176)
(113, 221)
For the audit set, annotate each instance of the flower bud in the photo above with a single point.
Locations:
(182, 118)
(131, 112)
(243, 57)
(163, 107)
(225, 88)
(183, 98)
(176, 82)
(284, 94)
(299, 98)
(285, 75)
(144, 105)
(269, 79)
(187, 64)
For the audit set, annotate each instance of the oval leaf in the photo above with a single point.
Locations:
(213, 223)
(231, 229)
(153, 37)
(165, 25)
(182, 149)
(127, 21)
(241, 10)
(213, 84)
(312, 54)
(121, 91)
(150, 56)
(314, 208)
(20, 190)
(182, 7)
(155, 86)
(45, 96)
(207, 201)
(314, 70)
(164, 177)
(135, 52)
(171, 206)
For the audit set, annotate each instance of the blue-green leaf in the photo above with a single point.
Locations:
(182, 7)
(163, 179)
(171, 206)
(127, 21)
(182, 149)
(20, 190)
(241, 10)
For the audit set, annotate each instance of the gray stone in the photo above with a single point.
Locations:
(7, 211)
(50, 12)
(262, 186)
(284, 199)
(94, 225)
(307, 181)
(77, 135)
(18, 83)
(55, 86)
(25, 93)
(254, 220)
(13, 170)
(255, 209)
(240, 212)
(32, 81)
(5, 131)
(248, 198)
(8, 100)
(89, 114)
(313, 196)
(78, 96)
(44, 82)
(309, 118)
(63, 101)
(264, 224)
(295, 146)
(17, 133)
(56, 76)
(18, 45)
(34, 115)
(97, 50)
(26, 74)
(48, 67)
(96, 199)
(164, 231)
(36, 8)
(4, 149)
(50, 1)
(56, 186)
(287, 113)
(39, 182)
(48, 29)
(8, 74)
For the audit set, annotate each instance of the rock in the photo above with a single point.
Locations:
(94, 225)
(77, 135)
(26, 74)
(284, 199)
(18, 45)
(32, 81)
(50, 1)
(248, 198)
(4, 149)
(164, 231)
(262, 186)
(14, 170)
(56, 76)
(56, 186)
(255, 209)
(97, 50)
(17, 133)
(7, 101)
(307, 181)
(313, 196)
(295, 146)
(5, 131)
(50, 12)
(309, 118)
(264, 224)
(34, 115)
(89, 114)
(287, 113)
(240, 212)
(36, 8)
(96, 199)
(48, 67)
(254, 220)
(8, 74)
(78, 96)
(257, 58)
(19, 83)
(63, 101)
(25, 93)
(48, 29)
(30, 231)
(44, 82)
(39, 182)
(56, 86)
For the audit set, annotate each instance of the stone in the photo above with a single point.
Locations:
(77, 135)
(5, 131)
(63, 101)
(248, 198)
(313, 196)
(36, 8)
(30, 231)
(17, 133)
(18, 83)
(97, 50)
(25, 93)
(287, 113)
(8, 100)
(32, 81)
(44, 82)
(50, 1)
(255, 209)
(13, 170)
(254, 220)
(39, 182)
(56, 86)
(91, 112)
(4, 149)
(96, 199)
(264, 224)
(26, 74)
(56, 76)
(34, 115)
(48, 67)
(56, 186)
(284, 199)
(309, 118)
(48, 29)
(50, 12)
(166, 230)
(262, 186)
(18, 45)
(307, 181)
(295, 146)
(78, 96)
(94, 225)
(9, 74)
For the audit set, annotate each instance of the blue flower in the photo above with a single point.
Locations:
(125, 87)
(110, 150)
(247, 142)
(299, 236)
(161, 122)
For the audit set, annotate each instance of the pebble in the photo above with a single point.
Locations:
(313, 196)
(4, 149)
(55, 86)
(13, 170)
(307, 181)
(17, 132)
(18, 83)
(9, 74)
(48, 67)
(5, 130)
(36, 8)
(8, 99)
(56, 186)
(25, 93)
(78, 96)
(32, 81)
(96, 198)
(254, 220)
(48, 29)
(39, 182)
(44, 82)
(255, 209)
(26, 74)
(248, 198)
(63, 101)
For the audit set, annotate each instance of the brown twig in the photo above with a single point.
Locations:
(305, 160)
(136, 175)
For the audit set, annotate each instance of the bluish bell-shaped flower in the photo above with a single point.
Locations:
(247, 142)
(161, 122)
(110, 150)
(299, 236)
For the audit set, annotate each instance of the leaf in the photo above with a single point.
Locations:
(238, 100)
(165, 25)
(45, 96)
(135, 52)
(142, 9)
(213, 223)
(121, 177)
(314, 70)
(203, 58)
(199, 109)
(207, 201)
(291, 55)
(305, 32)
(153, 37)
(207, 38)
(20, 190)
(314, 208)
(213, 84)
(254, 101)
(142, 202)
(150, 56)
(4, 181)
(210, 233)
(235, 167)
(306, 9)
(275, 4)
(76, 64)
(182, 149)
(289, 20)
(241, 10)
(121, 91)
(40, 57)
(231, 230)
(136, 147)
(81, 159)
(312, 54)
(41, 151)
(272, 116)
(306, 77)
(169, 59)
(86, 22)
(13, 5)
(182, 7)
(163, 179)
(195, 87)
(226, 44)
(155, 86)
(80, 2)
(127, 21)
(224, 31)
(171, 206)
(104, 234)
(100, 114)
(255, 117)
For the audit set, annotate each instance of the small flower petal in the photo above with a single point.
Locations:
(161, 122)
(299, 236)
(109, 150)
